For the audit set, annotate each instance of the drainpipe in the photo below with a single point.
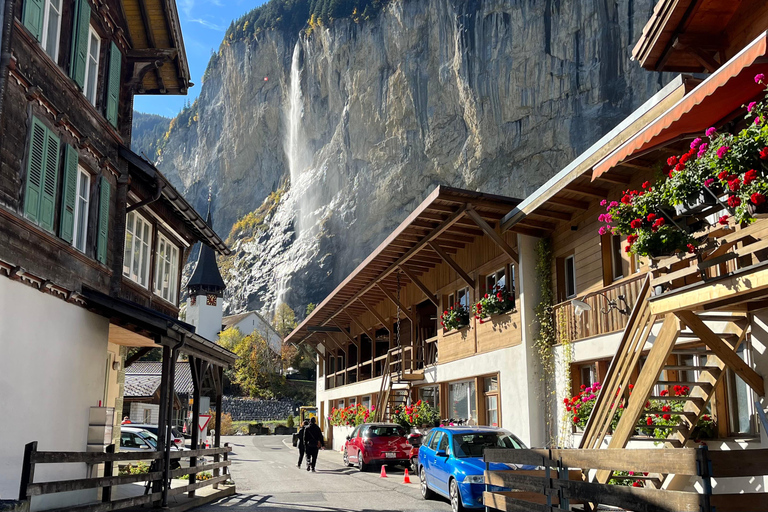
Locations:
(159, 185)
(6, 21)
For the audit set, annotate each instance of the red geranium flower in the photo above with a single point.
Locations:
(626, 199)
(651, 217)
(764, 153)
(666, 416)
(750, 176)
(636, 223)
(691, 248)
(636, 483)
(723, 220)
(734, 201)
(757, 198)
(672, 160)
(722, 175)
(734, 184)
(647, 184)
(649, 421)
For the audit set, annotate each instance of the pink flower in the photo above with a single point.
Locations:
(708, 182)
(710, 131)
(608, 218)
(613, 204)
(696, 142)
(751, 106)
(757, 120)
(603, 202)
(759, 78)
(722, 151)
(702, 150)
(603, 230)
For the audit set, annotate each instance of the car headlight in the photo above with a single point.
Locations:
(474, 479)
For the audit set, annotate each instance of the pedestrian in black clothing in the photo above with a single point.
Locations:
(313, 441)
(300, 443)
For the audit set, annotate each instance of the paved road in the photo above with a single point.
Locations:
(267, 479)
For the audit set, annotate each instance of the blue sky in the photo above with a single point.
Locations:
(203, 23)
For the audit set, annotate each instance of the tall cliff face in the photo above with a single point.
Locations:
(359, 122)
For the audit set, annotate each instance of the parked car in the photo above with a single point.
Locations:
(415, 439)
(176, 436)
(135, 439)
(377, 443)
(451, 463)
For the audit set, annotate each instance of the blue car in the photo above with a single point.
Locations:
(451, 463)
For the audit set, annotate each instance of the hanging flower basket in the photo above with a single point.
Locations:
(696, 203)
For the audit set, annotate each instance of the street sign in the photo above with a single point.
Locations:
(203, 421)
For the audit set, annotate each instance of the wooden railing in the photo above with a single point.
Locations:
(572, 327)
(723, 250)
(555, 486)
(153, 491)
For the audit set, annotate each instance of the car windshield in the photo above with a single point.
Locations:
(473, 445)
(385, 431)
(150, 438)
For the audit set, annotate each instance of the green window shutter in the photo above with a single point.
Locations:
(35, 170)
(80, 34)
(101, 246)
(50, 181)
(32, 17)
(69, 195)
(113, 84)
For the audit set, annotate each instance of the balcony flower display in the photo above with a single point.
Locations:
(498, 301)
(416, 415)
(350, 416)
(730, 169)
(455, 317)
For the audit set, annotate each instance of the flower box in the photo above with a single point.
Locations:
(456, 330)
(696, 204)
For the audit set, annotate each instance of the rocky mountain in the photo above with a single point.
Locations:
(318, 142)
(147, 133)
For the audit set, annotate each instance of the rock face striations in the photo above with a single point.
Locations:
(354, 123)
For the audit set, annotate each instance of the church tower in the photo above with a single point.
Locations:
(205, 306)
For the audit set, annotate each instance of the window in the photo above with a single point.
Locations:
(138, 239)
(617, 263)
(496, 281)
(81, 209)
(92, 66)
(588, 375)
(741, 408)
(52, 28)
(444, 446)
(434, 440)
(366, 401)
(341, 404)
(430, 395)
(491, 391)
(570, 277)
(166, 269)
(462, 400)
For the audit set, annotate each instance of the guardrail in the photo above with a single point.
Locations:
(33, 457)
(553, 488)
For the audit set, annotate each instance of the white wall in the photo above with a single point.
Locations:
(52, 370)
(138, 413)
(206, 319)
(254, 322)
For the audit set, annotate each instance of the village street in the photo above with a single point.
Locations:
(267, 479)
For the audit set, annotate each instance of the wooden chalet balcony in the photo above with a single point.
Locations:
(570, 326)
(729, 272)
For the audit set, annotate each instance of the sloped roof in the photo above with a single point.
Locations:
(141, 374)
(141, 385)
(206, 274)
(229, 321)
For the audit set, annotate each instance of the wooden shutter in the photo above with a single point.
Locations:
(69, 195)
(50, 181)
(35, 170)
(80, 35)
(101, 245)
(32, 17)
(113, 84)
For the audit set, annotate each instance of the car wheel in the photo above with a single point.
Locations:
(456, 504)
(346, 458)
(362, 466)
(426, 492)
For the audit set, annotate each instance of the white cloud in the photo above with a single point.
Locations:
(187, 6)
(208, 24)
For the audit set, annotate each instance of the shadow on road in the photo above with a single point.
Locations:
(264, 503)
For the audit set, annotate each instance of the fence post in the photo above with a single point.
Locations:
(109, 465)
(704, 470)
(27, 469)
(548, 480)
(485, 480)
(563, 474)
(225, 469)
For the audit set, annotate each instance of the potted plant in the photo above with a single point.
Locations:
(455, 317)
(498, 302)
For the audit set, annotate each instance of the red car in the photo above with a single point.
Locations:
(377, 443)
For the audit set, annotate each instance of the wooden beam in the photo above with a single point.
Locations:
(455, 266)
(570, 203)
(552, 214)
(723, 351)
(612, 177)
(375, 314)
(346, 334)
(396, 302)
(421, 286)
(147, 23)
(498, 240)
(587, 190)
(363, 329)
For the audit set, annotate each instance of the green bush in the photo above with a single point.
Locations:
(290, 423)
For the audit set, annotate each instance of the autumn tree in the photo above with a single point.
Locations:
(256, 370)
(285, 320)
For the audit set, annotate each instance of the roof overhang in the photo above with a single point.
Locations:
(718, 99)
(157, 47)
(443, 220)
(163, 329)
(144, 170)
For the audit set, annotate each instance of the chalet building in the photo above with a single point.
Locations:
(92, 237)
(693, 320)
(250, 322)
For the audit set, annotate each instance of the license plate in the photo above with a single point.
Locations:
(390, 455)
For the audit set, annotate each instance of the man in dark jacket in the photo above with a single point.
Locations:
(313, 441)
(300, 442)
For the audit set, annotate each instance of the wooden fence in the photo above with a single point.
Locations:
(153, 479)
(553, 488)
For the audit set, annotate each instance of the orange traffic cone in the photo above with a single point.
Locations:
(383, 472)
(406, 478)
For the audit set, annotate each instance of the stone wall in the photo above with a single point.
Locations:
(249, 409)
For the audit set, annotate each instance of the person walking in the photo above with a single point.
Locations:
(300, 442)
(313, 441)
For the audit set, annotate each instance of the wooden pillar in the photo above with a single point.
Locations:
(27, 469)
(218, 375)
(169, 396)
(195, 368)
(160, 485)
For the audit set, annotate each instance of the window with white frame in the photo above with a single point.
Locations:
(166, 269)
(570, 277)
(138, 240)
(462, 297)
(81, 209)
(462, 401)
(52, 28)
(496, 281)
(92, 66)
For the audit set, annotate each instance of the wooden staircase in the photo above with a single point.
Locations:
(686, 352)
(395, 389)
